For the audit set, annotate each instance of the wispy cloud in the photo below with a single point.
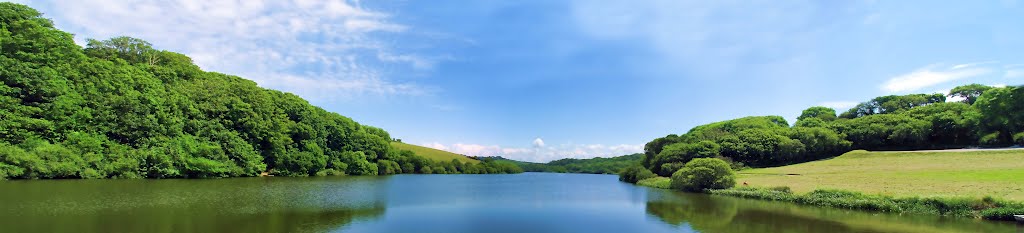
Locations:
(932, 75)
(714, 38)
(311, 48)
(539, 152)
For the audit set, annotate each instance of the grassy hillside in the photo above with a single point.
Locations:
(433, 154)
(926, 174)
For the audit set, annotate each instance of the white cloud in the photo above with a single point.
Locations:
(537, 142)
(316, 49)
(839, 105)
(998, 85)
(540, 153)
(967, 65)
(932, 75)
(435, 145)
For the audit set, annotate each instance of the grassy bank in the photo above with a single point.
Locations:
(433, 154)
(904, 174)
(986, 208)
(972, 184)
(656, 182)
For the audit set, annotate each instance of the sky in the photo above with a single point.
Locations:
(538, 80)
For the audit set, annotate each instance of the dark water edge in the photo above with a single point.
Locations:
(530, 202)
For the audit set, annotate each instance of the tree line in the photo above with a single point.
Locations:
(596, 165)
(982, 116)
(119, 108)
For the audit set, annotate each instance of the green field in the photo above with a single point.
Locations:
(996, 173)
(433, 154)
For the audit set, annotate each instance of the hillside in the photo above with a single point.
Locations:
(596, 165)
(120, 108)
(433, 154)
(933, 173)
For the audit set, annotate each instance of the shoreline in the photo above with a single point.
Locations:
(987, 208)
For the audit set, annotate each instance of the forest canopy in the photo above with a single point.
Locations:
(983, 116)
(120, 108)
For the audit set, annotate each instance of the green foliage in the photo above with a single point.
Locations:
(892, 104)
(1002, 112)
(656, 182)
(703, 174)
(634, 174)
(756, 141)
(969, 92)
(1002, 213)
(120, 108)
(596, 165)
(818, 112)
(987, 207)
(887, 131)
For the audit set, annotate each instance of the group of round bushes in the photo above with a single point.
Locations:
(698, 175)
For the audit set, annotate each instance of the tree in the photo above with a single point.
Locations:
(892, 104)
(1002, 114)
(969, 92)
(703, 174)
(132, 50)
(823, 113)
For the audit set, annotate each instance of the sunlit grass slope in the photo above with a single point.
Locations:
(997, 173)
(433, 154)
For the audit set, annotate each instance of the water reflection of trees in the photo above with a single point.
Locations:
(228, 205)
(706, 213)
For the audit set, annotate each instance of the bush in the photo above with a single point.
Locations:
(757, 193)
(670, 168)
(849, 200)
(634, 174)
(702, 174)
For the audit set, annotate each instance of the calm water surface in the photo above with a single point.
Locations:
(531, 202)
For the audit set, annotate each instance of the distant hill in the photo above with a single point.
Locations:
(433, 154)
(593, 165)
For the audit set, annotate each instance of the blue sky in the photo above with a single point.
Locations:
(538, 80)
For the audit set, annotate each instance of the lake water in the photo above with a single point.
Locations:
(530, 202)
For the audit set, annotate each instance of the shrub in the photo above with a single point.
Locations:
(757, 193)
(702, 174)
(849, 200)
(670, 168)
(634, 174)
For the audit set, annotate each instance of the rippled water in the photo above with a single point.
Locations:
(531, 202)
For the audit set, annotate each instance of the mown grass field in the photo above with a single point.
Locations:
(433, 154)
(996, 173)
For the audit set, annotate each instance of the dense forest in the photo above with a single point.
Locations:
(593, 165)
(983, 116)
(119, 108)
